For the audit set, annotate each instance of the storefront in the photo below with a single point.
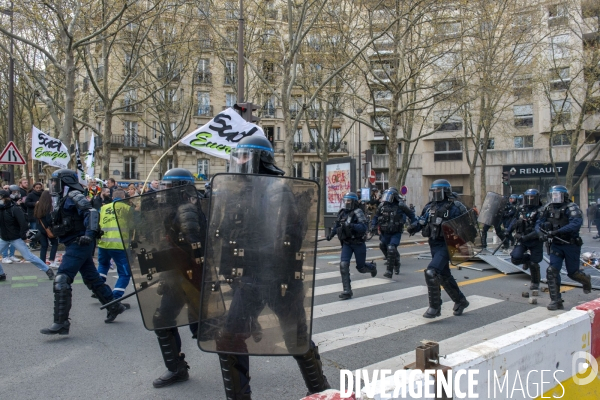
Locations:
(543, 177)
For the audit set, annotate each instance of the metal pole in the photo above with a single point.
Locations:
(240, 63)
(11, 96)
(358, 112)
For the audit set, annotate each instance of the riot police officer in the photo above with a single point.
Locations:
(76, 224)
(510, 211)
(596, 217)
(527, 238)
(441, 207)
(390, 218)
(254, 155)
(559, 224)
(188, 224)
(350, 227)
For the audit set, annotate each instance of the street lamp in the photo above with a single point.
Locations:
(11, 92)
(358, 112)
(240, 65)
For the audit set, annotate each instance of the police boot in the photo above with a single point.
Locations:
(111, 311)
(345, 272)
(552, 276)
(459, 299)
(435, 294)
(535, 275)
(232, 379)
(484, 240)
(312, 371)
(584, 279)
(397, 265)
(177, 368)
(62, 306)
(373, 269)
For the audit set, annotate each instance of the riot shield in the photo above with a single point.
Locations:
(164, 232)
(467, 199)
(492, 209)
(258, 276)
(462, 237)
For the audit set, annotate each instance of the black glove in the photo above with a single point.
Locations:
(553, 233)
(330, 236)
(531, 236)
(84, 240)
(411, 230)
(518, 237)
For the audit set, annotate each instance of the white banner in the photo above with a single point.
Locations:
(89, 158)
(49, 150)
(221, 134)
(80, 172)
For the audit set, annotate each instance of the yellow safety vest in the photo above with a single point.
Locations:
(111, 239)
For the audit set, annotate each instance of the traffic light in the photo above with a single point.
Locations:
(506, 178)
(6, 176)
(245, 110)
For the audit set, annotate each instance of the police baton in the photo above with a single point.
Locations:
(120, 299)
(551, 238)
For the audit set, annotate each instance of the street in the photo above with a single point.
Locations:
(378, 328)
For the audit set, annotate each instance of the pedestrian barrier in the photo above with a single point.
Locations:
(555, 358)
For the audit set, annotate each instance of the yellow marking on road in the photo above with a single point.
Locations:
(482, 279)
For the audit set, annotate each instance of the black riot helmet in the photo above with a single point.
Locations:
(350, 201)
(440, 190)
(531, 197)
(391, 195)
(254, 155)
(176, 177)
(62, 178)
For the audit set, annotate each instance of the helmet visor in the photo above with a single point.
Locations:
(556, 197)
(349, 204)
(55, 187)
(388, 196)
(531, 200)
(436, 194)
(244, 161)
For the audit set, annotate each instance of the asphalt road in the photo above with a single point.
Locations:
(380, 326)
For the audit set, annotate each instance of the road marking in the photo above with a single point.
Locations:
(482, 279)
(327, 275)
(22, 285)
(354, 334)
(361, 284)
(23, 278)
(472, 337)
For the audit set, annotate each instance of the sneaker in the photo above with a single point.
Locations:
(50, 274)
(15, 259)
(54, 264)
(7, 260)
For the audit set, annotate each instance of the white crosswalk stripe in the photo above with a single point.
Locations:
(360, 284)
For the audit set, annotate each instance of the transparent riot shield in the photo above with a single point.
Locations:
(462, 237)
(260, 259)
(164, 232)
(467, 199)
(492, 209)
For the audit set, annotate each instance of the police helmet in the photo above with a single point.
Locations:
(62, 178)
(531, 197)
(254, 155)
(350, 201)
(207, 186)
(391, 195)
(176, 177)
(440, 189)
(558, 194)
(513, 198)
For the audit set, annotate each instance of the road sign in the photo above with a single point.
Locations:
(403, 190)
(372, 177)
(11, 155)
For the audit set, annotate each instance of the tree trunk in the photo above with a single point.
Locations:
(67, 128)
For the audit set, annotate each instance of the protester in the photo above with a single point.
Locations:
(154, 186)
(41, 213)
(111, 184)
(30, 201)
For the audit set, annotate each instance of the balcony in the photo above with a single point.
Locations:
(173, 107)
(268, 112)
(203, 78)
(168, 74)
(203, 111)
(132, 141)
(128, 107)
(310, 147)
(131, 175)
(384, 47)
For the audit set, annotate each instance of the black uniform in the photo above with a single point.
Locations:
(527, 240)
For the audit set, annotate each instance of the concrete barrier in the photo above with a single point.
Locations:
(539, 361)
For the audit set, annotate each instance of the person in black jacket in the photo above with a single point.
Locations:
(13, 230)
(30, 201)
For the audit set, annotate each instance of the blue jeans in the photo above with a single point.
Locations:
(9, 251)
(120, 258)
(20, 245)
(78, 258)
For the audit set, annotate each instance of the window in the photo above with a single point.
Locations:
(449, 29)
(490, 144)
(522, 53)
(522, 142)
(335, 135)
(203, 71)
(129, 168)
(446, 61)
(130, 130)
(443, 121)
(130, 98)
(382, 148)
(315, 170)
(203, 103)
(522, 86)
(383, 69)
(269, 107)
(170, 163)
(559, 78)
(268, 70)
(231, 36)
(313, 42)
(523, 116)
(558, 49)
(314, 135)
(447, 150)
(382, 95)
(203, 166)
(86, 84)
(557, 15)
(560, 111)
(230, 99)
(230, 72)
(297, 170)
(522, 22)
(231, 10)
(268, 35)
(295, 105)
(381, 123)
(316, 73)
(298, 136)
(561, 139)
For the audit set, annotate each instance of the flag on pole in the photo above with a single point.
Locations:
(48, 149)
(80, 171)
(89, 159)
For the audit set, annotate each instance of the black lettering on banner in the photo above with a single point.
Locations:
(49, 142)
(230, 136)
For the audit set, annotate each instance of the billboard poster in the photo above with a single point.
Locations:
(337, 184)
